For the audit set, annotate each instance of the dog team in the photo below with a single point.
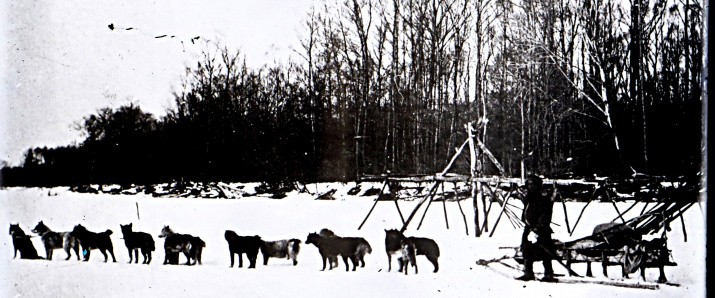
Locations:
(330, 246)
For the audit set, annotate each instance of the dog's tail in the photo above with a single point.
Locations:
(199, 242)
(151, 247)
(108, 232)
(364, 246)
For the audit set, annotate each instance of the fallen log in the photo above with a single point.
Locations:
(327, 195)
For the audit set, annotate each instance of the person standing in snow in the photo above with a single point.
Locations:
(536, 242)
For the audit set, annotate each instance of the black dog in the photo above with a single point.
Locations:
(408, 247)
(175, 243)
(333, 259)
(363, 247)
(353, 248)
(91, 240)
(54, 240)
(243, 244)
(135, 241)
(197, 246)
(281, 249)
(22, 242)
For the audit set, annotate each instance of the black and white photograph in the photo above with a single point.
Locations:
(354, 148)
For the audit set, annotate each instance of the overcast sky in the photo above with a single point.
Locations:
(61, 62)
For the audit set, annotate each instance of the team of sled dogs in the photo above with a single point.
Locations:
(330, 246)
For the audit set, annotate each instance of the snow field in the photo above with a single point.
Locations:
(294, 217)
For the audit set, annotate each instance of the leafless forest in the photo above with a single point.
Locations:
(553, 87)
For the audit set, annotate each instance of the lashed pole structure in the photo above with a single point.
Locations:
(477, 187)
(475, 183)
(433, 191)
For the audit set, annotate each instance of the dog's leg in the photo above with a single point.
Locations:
(130, 254)
(252, 257)
(324, 259)
(433, 260)
(75, 246)
(104, 253)
(68, 250)
(265, 259)
(662, 279)
(389, 261)
(401, 262)
(111, 252)
(347, 266)
(188, 257)
(145, 255)
(240, 260)
(136, 256)
(231, 253)
(407, 265)
(87, 253)
(356, 260)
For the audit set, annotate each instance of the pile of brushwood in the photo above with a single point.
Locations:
(190, 189)
(179, 189)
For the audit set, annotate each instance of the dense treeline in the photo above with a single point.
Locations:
(577, 87)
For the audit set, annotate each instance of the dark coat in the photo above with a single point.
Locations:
(537, 218)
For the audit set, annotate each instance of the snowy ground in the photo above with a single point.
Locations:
(295, 217)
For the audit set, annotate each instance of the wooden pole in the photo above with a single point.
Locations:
(398, 207)
(566, 215)
(584, 209)
(491, 201)
(579, 218)
(501, 201)
(499, 217)
(454, 158)
(485, 226)
(473, 173)
(644, 206)
(466, 226)
(427, 208)
(629, 209)
(614, 205)
(444, 205)
(414, 211)
(682, 223)
(376, 200)
(399, 211)
(491, 157)
(657, 205)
